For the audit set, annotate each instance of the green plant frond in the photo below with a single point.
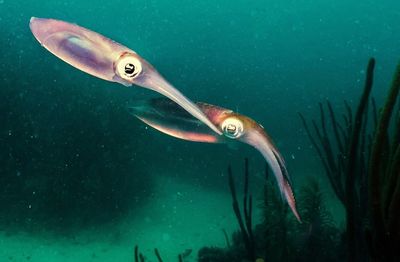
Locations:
(313, 204)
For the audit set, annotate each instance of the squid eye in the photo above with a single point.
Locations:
(232, 127)
(128, 67)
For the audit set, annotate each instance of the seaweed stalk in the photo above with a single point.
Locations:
(394, 207)
(136, 253)
(245, 226)
(228, 244)
(393, 171)
(248, 204)
(351, 164)
(158, 255)
(335, 127)
(332, 178)
(376, 154)
(236, 209)
(139, 257)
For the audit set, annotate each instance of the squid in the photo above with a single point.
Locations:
(104, 58)
(169, 118)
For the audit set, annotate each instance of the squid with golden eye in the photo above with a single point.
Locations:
(102, 57)
(169, 118)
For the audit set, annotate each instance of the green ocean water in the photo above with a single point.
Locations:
(83, 180)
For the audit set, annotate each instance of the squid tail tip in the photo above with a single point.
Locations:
(296, 214)
(291, 200)
(292, 204)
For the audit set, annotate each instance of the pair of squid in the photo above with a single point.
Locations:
(175, 115)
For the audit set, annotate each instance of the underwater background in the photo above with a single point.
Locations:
(83, 180)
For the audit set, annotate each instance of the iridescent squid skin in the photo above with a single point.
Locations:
(167, 117)
(104, 58)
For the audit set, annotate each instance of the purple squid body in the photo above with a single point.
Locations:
(106, 59)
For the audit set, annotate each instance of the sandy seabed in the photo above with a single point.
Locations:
(181, 216)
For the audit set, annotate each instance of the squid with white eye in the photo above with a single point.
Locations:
(104, 58)
(128, 67)
(169, 118)
(232, 128)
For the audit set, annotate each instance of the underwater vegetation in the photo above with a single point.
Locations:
(279, 236)
(139, 257)
(361, 157)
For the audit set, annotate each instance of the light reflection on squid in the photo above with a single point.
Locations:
(106, 59)
(169, 118)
